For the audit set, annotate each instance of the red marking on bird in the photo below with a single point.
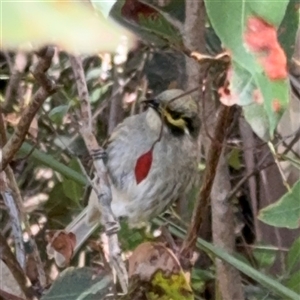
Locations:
(261, 38)
(143, 165)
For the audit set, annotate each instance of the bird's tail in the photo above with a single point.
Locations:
(64, 245)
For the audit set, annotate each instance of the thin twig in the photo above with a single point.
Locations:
(201, 205)
(101, 184)
(283, 177)
(47, 88)
(18, 199)
(291, 144)
(12, 92)
(9, 259)
(15, 220)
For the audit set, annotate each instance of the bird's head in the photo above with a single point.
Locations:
(180, 114)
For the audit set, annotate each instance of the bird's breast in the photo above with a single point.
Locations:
(171, 171)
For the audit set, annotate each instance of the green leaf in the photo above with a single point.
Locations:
(98, 92)
(71, 25)
(78, 284)
(258, 120)
(229, 20)
(49, 161)
(285, 212)
(59, 208)
(243, 85)
(293, 257)
(294, 282)
(270, 10)
(264, 257)
(57, 113)
(288, 28)
(276, 97)
(234, 159)
(94, 73)
(155, 29)
(71, 188)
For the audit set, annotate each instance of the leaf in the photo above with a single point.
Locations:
(57, 113)
(234, 159)
(262, 9)
(257, 118)
(264, 257)
(271, 284)
(293, 257)
(242, 84)
(71, 188)
(294, 282)
(130, 238)
(156, 265)
(143, 165)
(49, 161)
(98, 92)
(285, 212)
(134, 10)
(79, 283)
(63, 243)
(288, 28)
(146, 22)
(261, 39)
(233, 29)
(72, 25)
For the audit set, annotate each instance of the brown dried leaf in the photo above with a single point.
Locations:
(149, 257)
(61, 242)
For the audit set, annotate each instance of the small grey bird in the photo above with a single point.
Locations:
(152, 161)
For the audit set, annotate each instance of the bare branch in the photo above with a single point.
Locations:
(101, 185)
(248, 146)
(15, 220)
(9, 259)
(47, 88)
(228, 277)
(202, 203)
(19, 201)
(12, 92)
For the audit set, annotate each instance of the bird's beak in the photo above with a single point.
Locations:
(152, 103)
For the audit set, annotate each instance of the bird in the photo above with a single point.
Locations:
(151, 162)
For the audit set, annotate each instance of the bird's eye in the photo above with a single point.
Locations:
(175, 115)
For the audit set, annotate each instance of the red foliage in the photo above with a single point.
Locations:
(257, 96)
(276, 105)
(227, 96)
(143, 165)
(261, 38)
(133, 8)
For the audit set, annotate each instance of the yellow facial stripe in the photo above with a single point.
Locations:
(178, 122)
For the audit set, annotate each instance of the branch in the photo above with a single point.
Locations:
(202, 203)
(47, 88)
(9, 259)
(13, 92)
(101, 185)
(15, 220)
(228, 277)
(19, 201)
